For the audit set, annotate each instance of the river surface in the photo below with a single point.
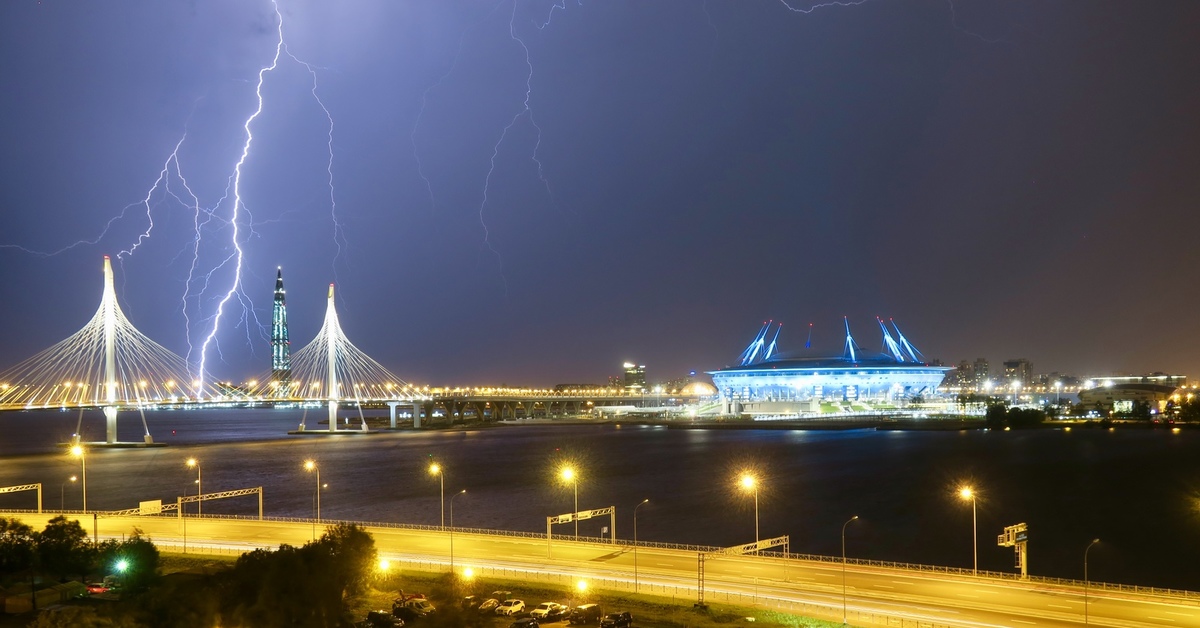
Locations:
(1138, 490)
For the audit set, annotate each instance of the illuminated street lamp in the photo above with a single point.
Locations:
(1057, 392)
(452, 527)
(568, 475)
(967, 492)
(1085, 580)
(436, 469)
(635, 565)
(750, 483)
(192, 462)
(79, 452)
(854, 518)
(311, 465)
(61, 492)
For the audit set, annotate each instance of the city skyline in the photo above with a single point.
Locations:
(659, 179)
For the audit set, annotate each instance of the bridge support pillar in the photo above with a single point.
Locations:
(417, 414)
(333, 406)
(392, 406)
(110, 424)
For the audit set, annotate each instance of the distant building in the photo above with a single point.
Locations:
(1121, 397)
(1019, 371)
(964, 376)
(635, 377)
(980, 373)
(281, 356)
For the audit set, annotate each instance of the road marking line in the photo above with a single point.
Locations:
(1058, 606)
(902, 581)
(1181, 614)
(1034, 623)
(1159, 618)
(665, 564)
(884, 586)
(758, 568)
(966, 595)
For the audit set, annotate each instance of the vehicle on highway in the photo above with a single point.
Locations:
(524, 622)
(586, 614)
(617, 620)
(544, 609)
(510, 607)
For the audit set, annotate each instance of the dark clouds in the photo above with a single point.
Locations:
(711, 166)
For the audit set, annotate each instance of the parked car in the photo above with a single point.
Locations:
(556, 614)
(489, 605)
(524, 622)
(510, 607)
(617, 620)
(380, 619)
(406, 614)
(544, 609)
(96, 587)
(421, 605)
(586, 614)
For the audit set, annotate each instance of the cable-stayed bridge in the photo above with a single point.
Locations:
(109, 364)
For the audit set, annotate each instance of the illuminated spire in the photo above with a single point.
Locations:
(281, 353)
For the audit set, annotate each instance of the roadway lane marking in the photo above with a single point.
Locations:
(1181, 614)
(750, 567)
(966, 595)
(1159, 618)
(901, 582)
(1058, 606)
(1033, 623)
(884, 586)
(664, 564)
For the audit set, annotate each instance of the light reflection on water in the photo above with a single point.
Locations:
(1134, 489)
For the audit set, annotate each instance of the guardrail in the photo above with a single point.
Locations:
(816, 558)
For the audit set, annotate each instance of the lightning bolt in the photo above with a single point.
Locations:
(955, 26)
(823, 5)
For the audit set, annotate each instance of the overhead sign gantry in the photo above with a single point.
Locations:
(736, 550)
(611, 511)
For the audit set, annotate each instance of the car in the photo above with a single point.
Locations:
(96, 587)
(617, 620)
(524, 622)
(510, 607)
(586, 614)
(421, 605)
(381, 619)
(489, 605)
(406, 614)
(469, 602)
(557, 614)
(544, 609)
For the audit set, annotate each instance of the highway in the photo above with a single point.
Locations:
(873, 595)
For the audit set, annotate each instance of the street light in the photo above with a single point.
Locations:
(436, 469)
(854, 518)
(1085, 580)
(79, 452)
(310, 465)
(192, 462)
(750, 483)
(568, 475)
(452, 528)
(967, 492)
(635, 566)
(61, 492)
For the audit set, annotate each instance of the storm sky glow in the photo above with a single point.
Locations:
(1005, 179)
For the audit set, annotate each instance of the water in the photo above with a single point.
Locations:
(1138, 490)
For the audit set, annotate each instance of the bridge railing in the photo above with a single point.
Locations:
(1193, 596)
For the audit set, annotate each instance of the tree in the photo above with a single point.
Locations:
(997, 416)
(63, 548)
(17, 548)
(134, 561)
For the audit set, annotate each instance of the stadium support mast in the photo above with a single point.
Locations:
(281, 358)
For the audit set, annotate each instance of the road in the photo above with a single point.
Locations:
(873, 595)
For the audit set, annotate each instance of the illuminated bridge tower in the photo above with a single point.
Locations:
(281, 356)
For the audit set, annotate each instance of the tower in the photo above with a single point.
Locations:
(281, 357)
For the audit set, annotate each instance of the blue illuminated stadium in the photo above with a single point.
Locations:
(765, 381)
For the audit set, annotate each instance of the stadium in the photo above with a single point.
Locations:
(767, 382)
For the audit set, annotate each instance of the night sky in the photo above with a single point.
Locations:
(1006, 179)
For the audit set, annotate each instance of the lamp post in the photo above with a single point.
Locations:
(62, 503)
(750, 483)
(436, 469)
(79, 452)
(635, 565)
(967, 492)
(452, 528)
(568, 475)
(311, 465)
(192, 462)
(1085, 580)
(854, 518)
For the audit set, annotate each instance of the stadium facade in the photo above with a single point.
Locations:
(857, 381)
